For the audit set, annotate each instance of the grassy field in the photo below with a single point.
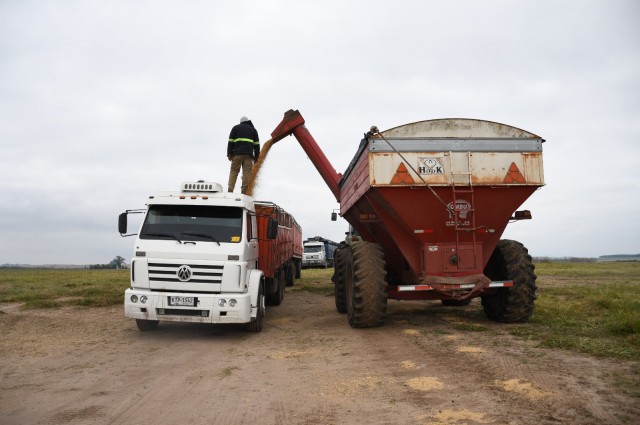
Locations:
(47, 288)
(592, 308)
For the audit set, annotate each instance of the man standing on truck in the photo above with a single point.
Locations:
(243, 150)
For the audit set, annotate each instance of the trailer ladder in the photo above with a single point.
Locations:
(468, 211)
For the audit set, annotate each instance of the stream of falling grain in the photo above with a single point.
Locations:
(255, 171)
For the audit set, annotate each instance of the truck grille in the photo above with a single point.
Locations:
(160, 272)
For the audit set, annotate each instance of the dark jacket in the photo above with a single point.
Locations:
(243, 140)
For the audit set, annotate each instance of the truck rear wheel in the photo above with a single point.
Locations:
(256, 324)
(511, 261)
(339, 278)
(147, 325)
(366, 285)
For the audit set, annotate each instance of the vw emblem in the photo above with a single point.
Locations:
(184, 273)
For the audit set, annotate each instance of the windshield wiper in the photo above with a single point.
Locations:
(162, 235)
(202, 235)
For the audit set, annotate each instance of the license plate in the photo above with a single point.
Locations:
(183, 301)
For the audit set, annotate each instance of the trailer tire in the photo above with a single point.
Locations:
(256, 324)
(298, 269)
(511, 261)
(147, 325)
(339, 278)
(277, 297)
(290, 273)
(366, 285)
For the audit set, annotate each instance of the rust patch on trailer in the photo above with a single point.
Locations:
(514, 175)
(402, 175)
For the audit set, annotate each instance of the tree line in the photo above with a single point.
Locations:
(116, 263)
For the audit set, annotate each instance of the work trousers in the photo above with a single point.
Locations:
(237, 161)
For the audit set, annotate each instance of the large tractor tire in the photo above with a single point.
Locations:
(339, 277)
(365, 272)
(511, 261)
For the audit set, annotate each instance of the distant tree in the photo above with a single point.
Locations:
(116, 263)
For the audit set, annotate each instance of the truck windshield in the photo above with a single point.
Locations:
(193, 223)
(313, 248)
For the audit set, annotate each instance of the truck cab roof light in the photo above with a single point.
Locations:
(201, 186)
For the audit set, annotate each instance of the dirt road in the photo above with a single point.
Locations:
(436, 365)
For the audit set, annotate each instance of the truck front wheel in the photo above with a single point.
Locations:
(256, 324)
(147, 325)
(510, 261)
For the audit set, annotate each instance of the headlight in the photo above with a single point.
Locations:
(232, 303)
(222, 302)
(134, 298)
(143, 299)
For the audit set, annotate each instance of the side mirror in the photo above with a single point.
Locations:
(522, 215)
(334, 216)
(122, 223)
(272, 228)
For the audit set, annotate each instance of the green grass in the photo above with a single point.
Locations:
(592, 308)
(316, 281)
(607, 270)
(46, 288)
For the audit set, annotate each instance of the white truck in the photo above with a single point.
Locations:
(318, 252)
(196, 259)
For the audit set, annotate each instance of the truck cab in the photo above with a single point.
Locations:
(195, 259)
(314, 255)
(318, 252)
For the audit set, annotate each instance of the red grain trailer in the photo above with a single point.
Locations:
(280, 259)
(429, 201)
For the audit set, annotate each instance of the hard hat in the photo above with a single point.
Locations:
(243, 119)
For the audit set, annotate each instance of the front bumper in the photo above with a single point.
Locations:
(309, 263)
(207, 309)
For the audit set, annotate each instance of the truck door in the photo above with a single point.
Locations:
(252, 241)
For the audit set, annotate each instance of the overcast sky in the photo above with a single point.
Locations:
(103, 103)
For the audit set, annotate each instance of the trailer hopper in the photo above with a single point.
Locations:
(429, 201)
